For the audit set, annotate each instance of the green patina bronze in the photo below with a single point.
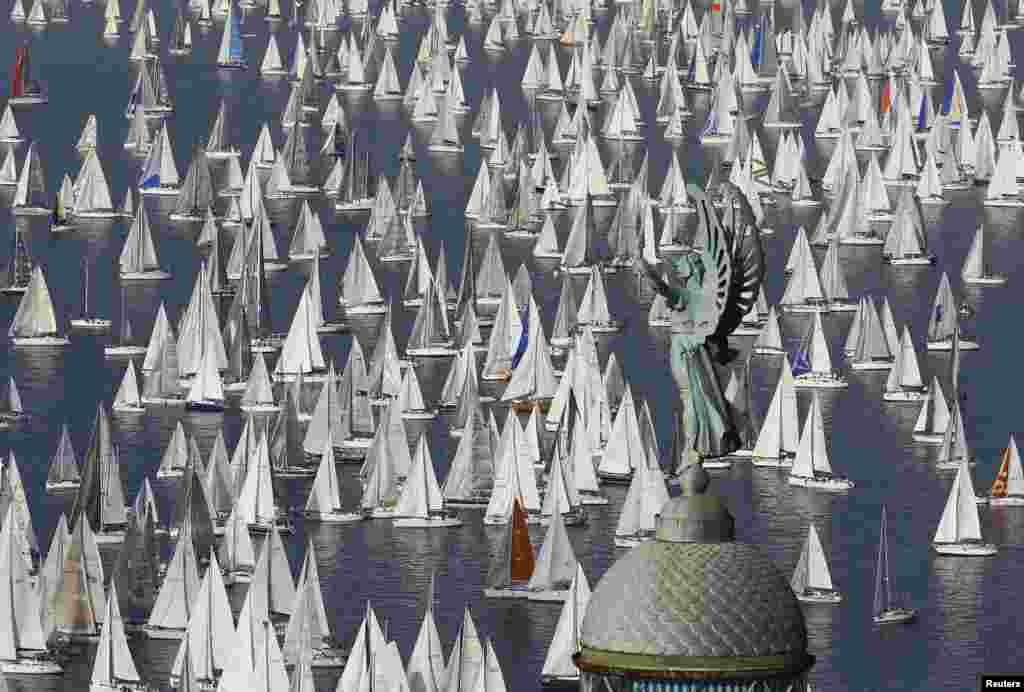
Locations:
(708, 290)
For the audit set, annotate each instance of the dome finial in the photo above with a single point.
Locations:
(696, 516)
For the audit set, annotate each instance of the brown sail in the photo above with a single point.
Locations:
(522, 561)
(999, 485)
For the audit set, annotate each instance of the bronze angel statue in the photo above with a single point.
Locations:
(708, 291)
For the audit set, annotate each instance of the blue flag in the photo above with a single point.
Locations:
(524, 340)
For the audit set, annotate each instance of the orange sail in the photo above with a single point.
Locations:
(999, 485)
(522, 551)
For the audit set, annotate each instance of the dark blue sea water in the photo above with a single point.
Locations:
(969, 612)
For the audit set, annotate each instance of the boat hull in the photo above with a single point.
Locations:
(167, 633)
(614, 478)
(871, 365)
(260, 408)
(896, 616)
(30, 666)
(772, 463)
(823, 597)
(333, 517)
(159, 191)
(419, 415)
(62, 486)
(947, 345)
(94, 324)
(906, 396)
(207, 406)
(513, 592)
(145, 276)
(928, 438)
(127, 408)
(832, 485)
(426, 523)
(40, 341)
(819, 382)
(432, 352)
(965, 549)
(124, 351)
(631, 541)
(985, 280)
(1006, 501)
(553, 596)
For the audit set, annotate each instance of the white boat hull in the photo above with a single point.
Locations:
(109, 537)
(94, 324)
(519, 592)
(823, 597)
(124, 351)
(910, 261)
(947, 345)
(832, 485)
(167, 191)
(965, 549)
(30, 666)
(993, 280)
(896, 616)
(819, 382)
(163, 632)
(40, 341)
(772, 463)
(419, 415)
(145, 276)
(871, 365)
(62, 486)
(162, 401)
(1011, 501)
(426, 523)
(553, 596)
(260, 408)
(432, 352)
(128, 408)
(631, 541)
(333, 517)
(906, 396)
(766, 350)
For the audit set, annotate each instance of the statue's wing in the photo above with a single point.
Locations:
(713, 244)
(747, 259)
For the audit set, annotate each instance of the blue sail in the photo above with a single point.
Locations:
(922, 117)
(151, 181)
(948, 101)
(235, 46)
(801, 364)
(524, 340)
(756, 53)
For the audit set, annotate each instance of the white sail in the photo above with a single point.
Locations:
(558, 663)
(812, 570)
(960, 521)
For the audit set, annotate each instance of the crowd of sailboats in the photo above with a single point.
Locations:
(553, 427)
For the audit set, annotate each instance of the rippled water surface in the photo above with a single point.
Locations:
(968, 608)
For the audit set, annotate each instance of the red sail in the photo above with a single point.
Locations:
(18, 81)
(522, 551)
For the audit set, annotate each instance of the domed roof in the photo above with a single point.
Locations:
(693, 603)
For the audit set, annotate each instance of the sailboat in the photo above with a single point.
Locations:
(128, 399)
(421, 504)
(87, 322)
(138, 257)
(35, 322)
(19, 271)
(812, 581)
(124, 348)
(63, 474)
(30, 196)
(559, 668)
(933, 418)
(647, 494)
(959, 531)
(976, 271)
(886, 611)
(12, 411)
(512, 566)
(556, 565)
(1008, 488)
(324, 503)
(811, 468)
(113, 669)
(25, 91)
(23, 648)
(207, 390)
(230, 54)
(812, 365)
(943, 323)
